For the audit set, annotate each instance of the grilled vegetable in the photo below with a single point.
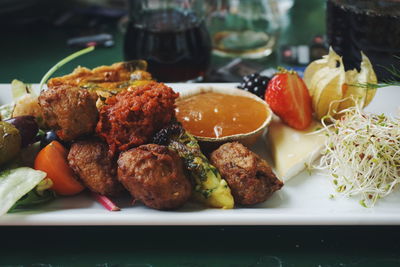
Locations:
(107, 80)
(210, 188)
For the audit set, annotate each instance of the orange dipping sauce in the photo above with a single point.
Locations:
(218, 115)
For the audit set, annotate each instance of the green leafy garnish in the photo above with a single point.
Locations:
(15, 183)
(63, 62)
(39, 195)
(393, 82)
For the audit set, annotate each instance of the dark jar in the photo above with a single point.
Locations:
(171, 36)
(371, 26)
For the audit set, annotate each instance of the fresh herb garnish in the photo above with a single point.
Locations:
(392, 82)
(63, 62)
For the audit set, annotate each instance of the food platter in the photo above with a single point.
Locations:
(304, 200)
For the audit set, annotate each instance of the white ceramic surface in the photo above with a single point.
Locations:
(304, 200)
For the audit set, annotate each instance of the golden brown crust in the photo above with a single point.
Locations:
(108, 76)
(103, 79)
(154, 175)
(249, 177)
(96, 169)
(70, 111)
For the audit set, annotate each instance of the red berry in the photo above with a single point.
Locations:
(288, 97)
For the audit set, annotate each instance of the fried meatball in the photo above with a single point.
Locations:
(97, 170)
(70, 111)
(154, 175)
(250, 178)
(131, 118)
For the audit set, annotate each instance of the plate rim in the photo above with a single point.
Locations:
(235, 217)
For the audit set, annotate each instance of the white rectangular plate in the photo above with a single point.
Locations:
(304, 200)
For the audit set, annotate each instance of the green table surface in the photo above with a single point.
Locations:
(28, 54)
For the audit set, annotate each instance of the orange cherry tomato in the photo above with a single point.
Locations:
(52, 159)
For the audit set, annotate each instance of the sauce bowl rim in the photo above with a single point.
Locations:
(229, 91)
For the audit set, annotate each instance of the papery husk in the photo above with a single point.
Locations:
(329, 83)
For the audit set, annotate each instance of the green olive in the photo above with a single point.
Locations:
(10, 141)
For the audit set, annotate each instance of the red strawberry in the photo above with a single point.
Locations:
(288, 97)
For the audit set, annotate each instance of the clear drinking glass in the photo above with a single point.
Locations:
(171, 36)
(243, 28)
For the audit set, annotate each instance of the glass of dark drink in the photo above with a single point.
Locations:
(171, 36)
(371, 26)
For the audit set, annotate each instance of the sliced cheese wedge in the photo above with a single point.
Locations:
(292, 150)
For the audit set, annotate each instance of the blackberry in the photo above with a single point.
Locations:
(255, 83)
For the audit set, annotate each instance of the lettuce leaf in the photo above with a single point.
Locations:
(40, 194)
(16, 183)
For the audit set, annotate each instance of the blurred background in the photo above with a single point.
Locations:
(35, 34)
